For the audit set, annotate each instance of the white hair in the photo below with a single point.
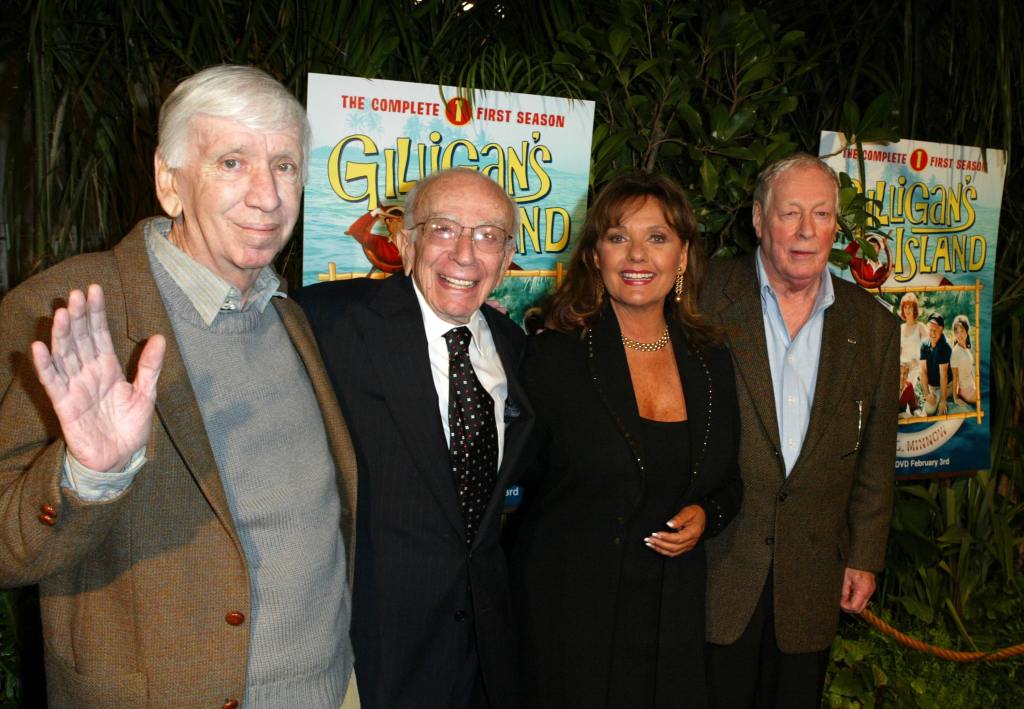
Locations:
(763, 188)
(421, 187)
(239, 93)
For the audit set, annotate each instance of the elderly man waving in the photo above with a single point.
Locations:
(195, 557)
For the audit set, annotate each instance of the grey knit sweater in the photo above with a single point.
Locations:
(268, 439)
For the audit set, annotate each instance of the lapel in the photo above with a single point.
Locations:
(699, 397)
(609, 371)
(176, 404)
(839, 343)
(334, 422)
(518, 410)
(399, 347)
(744, 328)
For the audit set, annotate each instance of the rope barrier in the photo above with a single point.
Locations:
(955, 655)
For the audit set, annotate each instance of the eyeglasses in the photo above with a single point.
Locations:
(485, 237)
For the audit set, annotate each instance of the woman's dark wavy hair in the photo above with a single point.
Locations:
(577, 302)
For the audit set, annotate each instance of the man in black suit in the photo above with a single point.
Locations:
(438, 431)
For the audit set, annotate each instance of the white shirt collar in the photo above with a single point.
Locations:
(435, 327)
(209, 293)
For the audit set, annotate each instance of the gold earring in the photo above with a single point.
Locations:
(679, 285)
(600, 290)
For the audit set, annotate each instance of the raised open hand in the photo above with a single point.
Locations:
(104, 419)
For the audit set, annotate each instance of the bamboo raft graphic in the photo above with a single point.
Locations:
(332, 274)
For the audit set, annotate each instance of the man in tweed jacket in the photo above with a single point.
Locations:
(816, 372)
(190, 531)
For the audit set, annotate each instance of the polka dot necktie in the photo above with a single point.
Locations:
(473, 450)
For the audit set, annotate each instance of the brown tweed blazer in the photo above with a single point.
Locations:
(133, 592)
(833, 510)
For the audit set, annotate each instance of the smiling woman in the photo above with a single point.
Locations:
(640, 259)
(637, 425)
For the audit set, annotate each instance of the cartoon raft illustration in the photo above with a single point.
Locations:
(867, 272)
(380, 248)
(872, 274)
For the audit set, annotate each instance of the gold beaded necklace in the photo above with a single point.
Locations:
(646, 346)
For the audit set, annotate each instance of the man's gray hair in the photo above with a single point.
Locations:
(239, 93)
(763, 188)
(420, 188)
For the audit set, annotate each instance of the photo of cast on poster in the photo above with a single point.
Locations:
(939, 358)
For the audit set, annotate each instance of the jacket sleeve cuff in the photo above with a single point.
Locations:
(94, 486)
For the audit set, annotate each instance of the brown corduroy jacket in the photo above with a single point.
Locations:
(833, 510)
(134, 593)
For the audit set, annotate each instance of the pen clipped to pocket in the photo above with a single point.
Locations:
(860, 428)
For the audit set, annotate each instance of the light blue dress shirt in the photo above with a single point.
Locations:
(793, 361)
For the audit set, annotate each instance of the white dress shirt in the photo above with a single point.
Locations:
(482, 355)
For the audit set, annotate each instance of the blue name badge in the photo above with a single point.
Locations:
(513, 496)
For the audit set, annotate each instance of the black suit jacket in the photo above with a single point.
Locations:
(425, 605)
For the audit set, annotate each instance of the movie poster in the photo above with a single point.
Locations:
(933, 266)
(372, 141)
